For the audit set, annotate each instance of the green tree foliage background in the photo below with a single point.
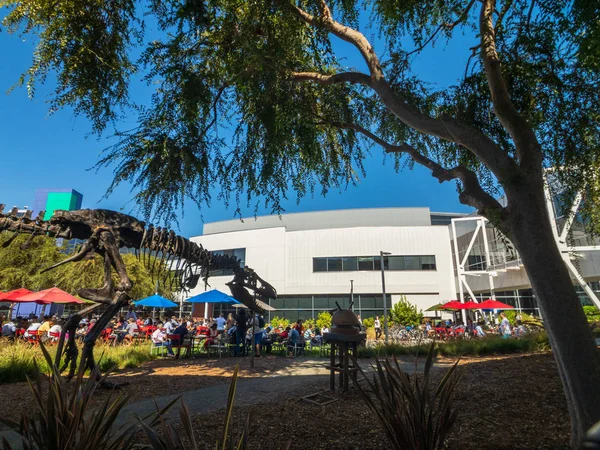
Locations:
(21, 268)
(406, 314)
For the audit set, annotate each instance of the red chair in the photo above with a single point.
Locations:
(33, 337)
(54, 337)
(202, 330)
(19, 332)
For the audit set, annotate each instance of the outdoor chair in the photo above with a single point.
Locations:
(176, 343)
(295, 347)
(219, 348)
(160, 349)
(54, 337)
(33, 337)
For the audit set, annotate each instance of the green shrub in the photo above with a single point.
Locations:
(324, 320)
(463, 347)
(309, 323)
(415, 412)
(591, 313)
(279, 322)
(369, 322)
(404, 313)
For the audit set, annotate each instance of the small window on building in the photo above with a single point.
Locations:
(334, 264)
(377, 263)
(350, 264)
(365, 263)
(319, 264)
(396, 262)
(412, 263)
(428, 263)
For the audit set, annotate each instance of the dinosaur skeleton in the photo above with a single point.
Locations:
(172, 260)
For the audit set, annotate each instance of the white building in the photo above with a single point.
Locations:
(311, 258)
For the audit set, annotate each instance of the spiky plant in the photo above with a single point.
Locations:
(416, 412)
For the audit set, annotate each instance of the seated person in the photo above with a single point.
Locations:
(267, 340)
(479, 330)
(35, 325)
(211, 336)
(54, 329)
(81, 331)
(159, 339)
(46, 325)
(285, 334)
(131, 330)
(9, 329)
(293, 340)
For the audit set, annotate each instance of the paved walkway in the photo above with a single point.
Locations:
(249, 391)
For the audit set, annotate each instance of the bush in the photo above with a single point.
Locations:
(406, 314)
(591, 313)
(415, 412)
(369, 322)
(463, 347)
(324, 320)
(279, 322)
(309, 323)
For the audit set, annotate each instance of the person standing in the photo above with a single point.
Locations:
(220, 323)
(377, 325)
(131, 314)
(240, 331)
(505, 326)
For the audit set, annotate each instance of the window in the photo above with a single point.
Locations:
(365, 263)
(319, 264)
(239, 253)
(350, 264)
(371, 263)
(428, 263)
(334, 264)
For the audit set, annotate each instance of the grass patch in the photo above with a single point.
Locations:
(473, 347)
(17, 359)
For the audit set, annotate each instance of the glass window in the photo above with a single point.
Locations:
(321, 302)
(277, 303)
(319, 264)
(365, 263)
(412, 263)
(428, 263)
(305, 302)
(367, 301)
(377, 263)
(350, 264)
(396, 262)
(334, 264)
(290, 303)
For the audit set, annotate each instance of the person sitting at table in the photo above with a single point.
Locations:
(479, 329)
(45, 326)
(293, 340)
(35, 325)
(211, 336)
(81, 331)
(285, 334)
(54, 329)
(131, 330)
(159, 339)
(9, 329)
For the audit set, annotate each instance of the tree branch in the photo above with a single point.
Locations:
(342, 77)
(527, 146)
(472, 194)
(448, 26)
(498, 161)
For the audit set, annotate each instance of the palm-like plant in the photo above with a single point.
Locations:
(416, 413)
(60, 419)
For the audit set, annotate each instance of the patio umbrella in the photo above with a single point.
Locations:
(48, 296)
(471, 305)
(453, 305)
(437, 307)
(212, 296)
(156, 301)
(494, 304)
(12, 296)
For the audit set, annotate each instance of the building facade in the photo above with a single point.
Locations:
(315, 259)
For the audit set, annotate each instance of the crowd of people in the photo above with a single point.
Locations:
(236, 330)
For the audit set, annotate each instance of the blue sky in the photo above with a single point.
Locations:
(57, 151)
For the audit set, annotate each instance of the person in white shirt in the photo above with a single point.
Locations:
(169, 327)
(220, 323)
(159, 339)
(377, 325)
(33, 327)
(9, 329)
(54, 331)
(505, 326)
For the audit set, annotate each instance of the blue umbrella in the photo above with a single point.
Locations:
(156, 301)
(213, 296)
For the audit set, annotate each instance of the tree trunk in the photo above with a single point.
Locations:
(529, 228)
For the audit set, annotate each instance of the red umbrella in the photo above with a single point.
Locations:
(12, 296)
(453, 304)
(52, 295)
(494, 304)
(472, 305)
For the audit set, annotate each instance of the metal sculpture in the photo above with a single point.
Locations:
(176, 262)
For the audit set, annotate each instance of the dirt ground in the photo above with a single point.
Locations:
(505, 402)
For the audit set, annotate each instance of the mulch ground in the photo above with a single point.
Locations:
(505, 402)
(513, 402)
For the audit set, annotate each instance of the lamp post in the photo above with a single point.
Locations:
(352, 293)
(385, 311)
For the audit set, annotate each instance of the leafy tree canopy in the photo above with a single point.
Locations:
(22, 267)
(269, 72)
(406, 314)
